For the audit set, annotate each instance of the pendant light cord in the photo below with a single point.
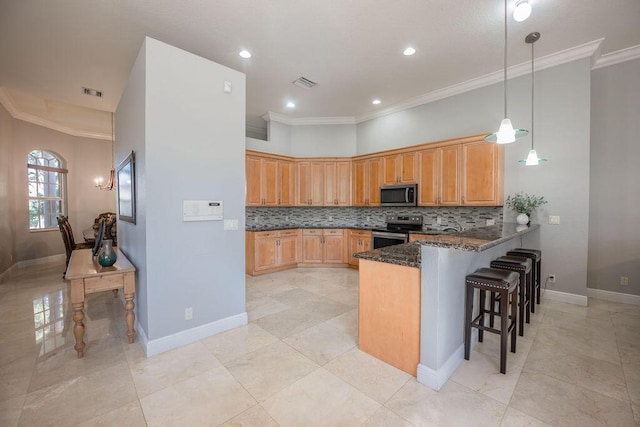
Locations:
(505, 59)
(532, 92)
(113, 142)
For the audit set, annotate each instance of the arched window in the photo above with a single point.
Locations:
(46, 178)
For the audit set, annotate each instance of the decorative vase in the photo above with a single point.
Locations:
(107, 255)
(522, 219)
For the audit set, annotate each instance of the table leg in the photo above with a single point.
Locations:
(115, 293)
(130, 317)
(78, 328)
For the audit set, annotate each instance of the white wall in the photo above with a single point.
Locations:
(323, 141)
(7, 190)
(85, 159)
(614, 211)
(193, 149)
(562, 135)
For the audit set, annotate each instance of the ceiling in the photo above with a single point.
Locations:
(351, 48)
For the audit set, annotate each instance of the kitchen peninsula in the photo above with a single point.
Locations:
(418, 289)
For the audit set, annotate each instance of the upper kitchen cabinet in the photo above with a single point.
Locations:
(439, 183)
(310, 183)
(337, 183)
(270, 181)
(482, 174)
(366, 182)
(400, 168)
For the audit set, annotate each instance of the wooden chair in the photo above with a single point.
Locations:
(67, 237)
(111, 229)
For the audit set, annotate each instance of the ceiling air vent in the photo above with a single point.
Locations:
(92, 92)
(304, 83)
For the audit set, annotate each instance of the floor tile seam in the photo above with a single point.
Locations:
(624, 375)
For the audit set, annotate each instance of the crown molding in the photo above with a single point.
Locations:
(7, 101)
(623, 55)
(306, 121)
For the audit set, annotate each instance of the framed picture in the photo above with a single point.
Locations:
(127, 189)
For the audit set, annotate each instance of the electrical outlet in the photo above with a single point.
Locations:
(330, 218)
(624, 281)
(368, 218)
(491, 222)
(554, 219)
(552, 278)
(439, 220)
(188, 313)
(286, 218)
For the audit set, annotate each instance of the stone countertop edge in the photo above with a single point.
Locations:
(473, 240)
(296, 227)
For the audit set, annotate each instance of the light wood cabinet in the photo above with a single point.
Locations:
(269, 251)
(310, 183)
(366, 182)
(323, 246)
(400, 168)
(440, 176)
(482, 169)
(337, 183)
(270, 181)
(359, 241)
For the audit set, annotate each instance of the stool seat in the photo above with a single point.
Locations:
(536, 252)
(502, 282)
(513, 262)
(535, 255)
(523, 266)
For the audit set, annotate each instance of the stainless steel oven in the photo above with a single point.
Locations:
(396, 231)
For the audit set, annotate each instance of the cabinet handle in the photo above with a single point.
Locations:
(278, 201)
(463, 200)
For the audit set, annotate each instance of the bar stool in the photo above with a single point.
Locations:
(535, 255)
(505, 283)
(523, 267)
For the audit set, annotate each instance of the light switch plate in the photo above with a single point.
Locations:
(227, 87)
(554, 219)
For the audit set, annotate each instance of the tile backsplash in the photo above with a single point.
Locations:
(467, 216)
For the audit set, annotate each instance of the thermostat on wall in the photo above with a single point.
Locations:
(202, 210)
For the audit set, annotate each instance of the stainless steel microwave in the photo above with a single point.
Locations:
(399, 195)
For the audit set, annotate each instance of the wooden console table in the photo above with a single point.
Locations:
(88, 277)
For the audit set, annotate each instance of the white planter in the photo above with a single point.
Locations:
(522, 219)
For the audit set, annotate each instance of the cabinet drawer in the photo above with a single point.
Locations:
(312, 232)
(361, 233)
(265, 234)
(103, 283)
(285, 233)
(333, 232)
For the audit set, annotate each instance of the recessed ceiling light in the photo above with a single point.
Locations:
(291, 104)
(376, 102)
(245, 54)
(409, 51)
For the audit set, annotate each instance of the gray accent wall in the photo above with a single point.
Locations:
(614, 211)
(189, 141)
(561, 134)
(7, 231)
(323, 141)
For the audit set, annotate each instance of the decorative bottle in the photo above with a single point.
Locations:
(107, 255)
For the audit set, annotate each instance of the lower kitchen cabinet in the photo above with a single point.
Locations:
(323, 247)
(359, 241)
(269, 251)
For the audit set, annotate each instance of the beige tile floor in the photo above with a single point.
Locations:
(297, 364)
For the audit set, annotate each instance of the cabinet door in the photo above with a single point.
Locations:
(266, 254)
(254, 181)
(354, 247)
(330, 184)
(390, 173)
(312, 249)
(449, 187)
(333, 249)
(304, 183)
(360, 182)
(316, 191)
(428, 183)
(269, 182)
(288, 250)
(408, 167)
(375, 179)
(482, 174)
(343, 183)
(286, 183)
(366, 244)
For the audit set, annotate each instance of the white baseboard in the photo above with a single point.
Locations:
(141, 336)
(613, 296)
(38, 261)
(160, 345)
(436, 379)
(565, 297)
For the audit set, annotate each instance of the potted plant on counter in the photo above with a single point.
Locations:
(524, 205)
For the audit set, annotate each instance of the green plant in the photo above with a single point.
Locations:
(524, 203)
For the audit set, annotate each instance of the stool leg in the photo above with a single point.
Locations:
(538, 279)
(534, 282)
(492, 303)
(483, 301)
(530, 297)
(514, 301)
(468, 313)
(523, 303)
(504, 330)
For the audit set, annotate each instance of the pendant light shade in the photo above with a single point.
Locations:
(532, 158)
(506, 133)
(522, 11)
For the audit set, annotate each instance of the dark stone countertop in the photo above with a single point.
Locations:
(473, 240)
(295, 227)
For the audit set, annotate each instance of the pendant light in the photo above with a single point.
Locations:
(532, 159)
(506, 133)
(112, 174)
